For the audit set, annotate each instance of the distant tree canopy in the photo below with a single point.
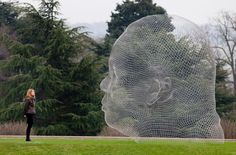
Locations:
(129, 12)
(225, 100)
(59, 63)
(125, 14)
(8, 14)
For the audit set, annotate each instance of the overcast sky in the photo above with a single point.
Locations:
(91, 11)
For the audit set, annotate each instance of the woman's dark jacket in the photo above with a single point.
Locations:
(29, 105)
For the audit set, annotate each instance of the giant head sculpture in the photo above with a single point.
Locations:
(161, 81)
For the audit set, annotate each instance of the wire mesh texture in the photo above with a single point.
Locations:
(161, 81)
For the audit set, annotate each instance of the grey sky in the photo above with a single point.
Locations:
(91, 11)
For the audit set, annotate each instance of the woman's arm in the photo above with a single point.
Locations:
(26, 106)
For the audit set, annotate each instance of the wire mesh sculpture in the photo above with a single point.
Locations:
(161, 81)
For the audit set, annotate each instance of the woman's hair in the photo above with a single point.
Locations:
(28, 94)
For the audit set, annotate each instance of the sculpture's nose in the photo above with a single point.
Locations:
(104, 85)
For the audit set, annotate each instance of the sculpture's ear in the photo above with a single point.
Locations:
(160, 90)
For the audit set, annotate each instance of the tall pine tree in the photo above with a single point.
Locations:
(58, 63)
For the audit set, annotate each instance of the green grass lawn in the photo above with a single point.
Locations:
(71, 146)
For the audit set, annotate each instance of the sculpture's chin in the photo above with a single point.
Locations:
(108, 118)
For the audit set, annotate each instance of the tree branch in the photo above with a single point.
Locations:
(225, 53)
(223, 60)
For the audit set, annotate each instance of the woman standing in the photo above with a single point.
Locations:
(29, 111)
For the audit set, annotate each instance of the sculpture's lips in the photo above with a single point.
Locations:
(104, 99)
(107, 103)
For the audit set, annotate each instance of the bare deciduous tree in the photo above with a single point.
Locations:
(225, 41)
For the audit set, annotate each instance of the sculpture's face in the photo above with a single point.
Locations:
(131, 91)
(161, 81)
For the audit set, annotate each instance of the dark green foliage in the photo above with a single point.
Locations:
(8, 14)
(59, 63)
(225, 100)
(58, 129)
(125, 14)
(129, 12)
